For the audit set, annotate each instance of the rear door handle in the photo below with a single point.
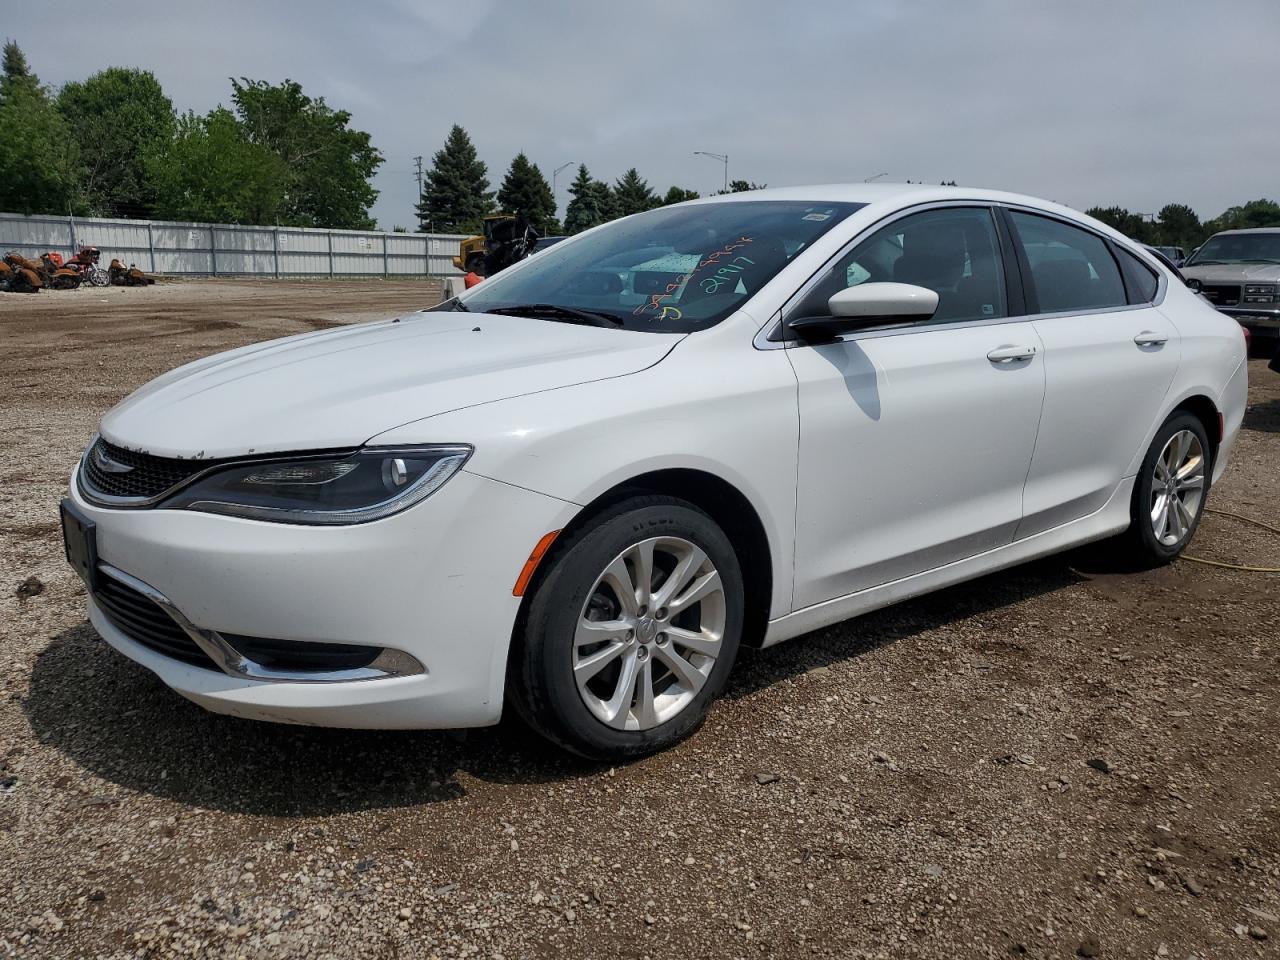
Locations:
(1011, 354)
(1148, 339)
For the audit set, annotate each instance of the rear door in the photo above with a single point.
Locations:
(1109, 358)
(915, 438)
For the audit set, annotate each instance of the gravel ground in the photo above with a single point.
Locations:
(1068, 758)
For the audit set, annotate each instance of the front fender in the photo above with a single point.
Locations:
(729, 413)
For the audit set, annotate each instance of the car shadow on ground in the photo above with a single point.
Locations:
(1263, 417)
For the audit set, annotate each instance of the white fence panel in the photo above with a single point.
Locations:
(204, 249)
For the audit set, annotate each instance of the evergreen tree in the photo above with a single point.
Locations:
(679, 195)
(119, 117)
(526, 193)
(584, 210)
(606, 200)
(456, 195)
(15, 61)
(40, 169)
(632, 194)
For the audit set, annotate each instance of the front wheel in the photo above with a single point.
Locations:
(1170, 491)
(633, 631)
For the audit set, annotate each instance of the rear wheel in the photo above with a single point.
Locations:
(1170, 492)
(633, 631)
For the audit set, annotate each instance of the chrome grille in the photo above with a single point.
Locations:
(1221, 294)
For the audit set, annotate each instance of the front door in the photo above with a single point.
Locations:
(915, 439)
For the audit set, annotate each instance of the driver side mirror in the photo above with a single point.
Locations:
(865, 305)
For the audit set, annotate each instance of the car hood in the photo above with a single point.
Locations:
(338, 388)
(1234, 273)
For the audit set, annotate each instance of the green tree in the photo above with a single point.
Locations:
(741, 186)
(679, 195)
(1133, 225)
(40, 168)
(119, 117)
(1178, 226)
(15, 61)
(211, 172)
(455, 195)
(584, 210)
(632, 194)
(1255, 213)
(329, 165)
(606, 200)
(526, 193)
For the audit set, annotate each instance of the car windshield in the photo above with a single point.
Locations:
(672, 270)
(1239, 248)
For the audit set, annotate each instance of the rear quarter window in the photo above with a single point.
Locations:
(1141, 281)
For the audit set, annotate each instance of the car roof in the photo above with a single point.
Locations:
(1223, 233)
(895, 195)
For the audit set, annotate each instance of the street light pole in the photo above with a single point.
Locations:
(723, 158)
(555, 173)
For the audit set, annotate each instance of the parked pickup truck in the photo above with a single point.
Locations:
(1238, 271)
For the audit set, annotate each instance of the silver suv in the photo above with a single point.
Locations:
(1238, 271)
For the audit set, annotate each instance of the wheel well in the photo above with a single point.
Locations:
(1204, 410)
(721, 501)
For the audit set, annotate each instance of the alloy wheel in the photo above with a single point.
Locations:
(649, 633)
(1177, 488)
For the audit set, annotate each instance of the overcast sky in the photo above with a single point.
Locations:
(1129, 102)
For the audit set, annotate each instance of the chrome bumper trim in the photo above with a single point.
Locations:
(389, 663)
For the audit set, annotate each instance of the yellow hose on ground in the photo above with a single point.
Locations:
(1237, 566)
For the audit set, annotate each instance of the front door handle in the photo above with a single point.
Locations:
(1011, 354)
(1148, 339)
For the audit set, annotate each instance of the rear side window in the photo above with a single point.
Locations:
(1141, 280)
(1071, 269)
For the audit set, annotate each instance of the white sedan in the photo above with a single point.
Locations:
(582, 486)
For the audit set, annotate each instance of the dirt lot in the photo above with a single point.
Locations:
(1069, 757)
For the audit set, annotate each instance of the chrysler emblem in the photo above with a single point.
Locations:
(108, 465)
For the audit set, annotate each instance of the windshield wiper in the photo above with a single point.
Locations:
(553, 311)
(1201, 263)
(1261, 260)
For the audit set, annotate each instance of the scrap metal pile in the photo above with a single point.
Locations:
(19, 274)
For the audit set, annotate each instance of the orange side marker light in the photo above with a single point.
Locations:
(530, 565)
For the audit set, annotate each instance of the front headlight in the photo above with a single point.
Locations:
(367, 485)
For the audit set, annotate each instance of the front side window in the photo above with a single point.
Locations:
(953, 251)
(1071, 269)
(1238, 248)
(672, 270)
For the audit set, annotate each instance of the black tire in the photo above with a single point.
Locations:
(1140, 542)
(475, 263)
(540, 679)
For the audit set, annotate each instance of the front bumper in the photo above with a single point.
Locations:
(434, 581)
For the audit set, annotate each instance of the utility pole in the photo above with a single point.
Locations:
(723, 158)
(417, 172)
